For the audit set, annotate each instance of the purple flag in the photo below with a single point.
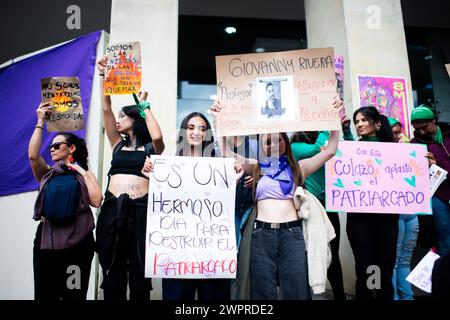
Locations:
(20, 95)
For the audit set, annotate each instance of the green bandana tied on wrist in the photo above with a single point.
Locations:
(142, 105)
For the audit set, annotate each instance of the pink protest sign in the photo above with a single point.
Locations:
(388, 95)
(339, 71)
(378, 177)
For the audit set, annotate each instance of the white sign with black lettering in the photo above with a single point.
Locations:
(190, 220)
(421, 275)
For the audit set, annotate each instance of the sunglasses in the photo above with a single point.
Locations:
(56, 145)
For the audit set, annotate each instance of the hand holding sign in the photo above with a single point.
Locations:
(148, 167)
(64, 96)
(43, 110)
(239, 168)
(123, 68)
(101, 64)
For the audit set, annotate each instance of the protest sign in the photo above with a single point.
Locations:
(378, 177)
(388, 95)
(339, 70)
(276, 92)
(123, 70)
(64, 96)
(190, 222)
(421, 275)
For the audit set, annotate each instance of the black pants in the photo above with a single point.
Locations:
(334, 273)
(54, 278)
(373, 238)
(207, 289)
(121, 247)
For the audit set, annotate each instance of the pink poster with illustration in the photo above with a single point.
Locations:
(378, 177)
(388, 95)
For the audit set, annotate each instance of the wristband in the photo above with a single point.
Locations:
(142, 106)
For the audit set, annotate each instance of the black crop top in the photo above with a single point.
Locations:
(129, 162)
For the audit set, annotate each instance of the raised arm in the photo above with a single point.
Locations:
(153, 126)
(303, 150)
(345, 122)
(311, 165)
(37, 163)
(248, 163)
(109, 119)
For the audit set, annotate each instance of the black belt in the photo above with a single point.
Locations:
(276, 225)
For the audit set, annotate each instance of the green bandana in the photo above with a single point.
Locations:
(422, 112)
(438, 136)
(393, 122)
(142, 105)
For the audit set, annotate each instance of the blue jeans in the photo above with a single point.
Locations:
(441, 218)
(408, 229)
(278, 257)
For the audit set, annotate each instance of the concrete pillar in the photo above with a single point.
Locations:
(155, 24)
(370, 35)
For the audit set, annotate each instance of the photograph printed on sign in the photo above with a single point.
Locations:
(275, 97)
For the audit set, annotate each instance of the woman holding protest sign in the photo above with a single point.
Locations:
(122, 221)
(64, 244)
(273, 250)
(373, 237)
(195, 139)
(408, 229)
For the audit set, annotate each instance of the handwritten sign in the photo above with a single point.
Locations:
(388, 95)
(378, 177)
(190, 221)
(421, 275)
(123, 70)
(339, 70)
(64, 95)
(276, 92)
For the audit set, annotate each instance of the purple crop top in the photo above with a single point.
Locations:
(269, 188)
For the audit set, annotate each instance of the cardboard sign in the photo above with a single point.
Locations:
(64, 95)
(123, 71)
(421, 275)
(276, 92)
(378, 177)
(339, 70)
(388, 95)
(190, 221)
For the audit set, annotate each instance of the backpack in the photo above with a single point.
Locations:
(62, 198)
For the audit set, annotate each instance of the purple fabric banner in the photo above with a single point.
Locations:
(20, 95)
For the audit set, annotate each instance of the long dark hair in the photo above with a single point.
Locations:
(207, 143)
(139, 129)
(81, 153)
(308, 137)
(373, 116)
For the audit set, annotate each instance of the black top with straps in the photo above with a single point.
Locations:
(129, 162)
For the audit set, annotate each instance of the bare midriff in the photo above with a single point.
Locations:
(134, 186)
(273, 210)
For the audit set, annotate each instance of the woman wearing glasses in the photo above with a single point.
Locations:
(64, 244)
